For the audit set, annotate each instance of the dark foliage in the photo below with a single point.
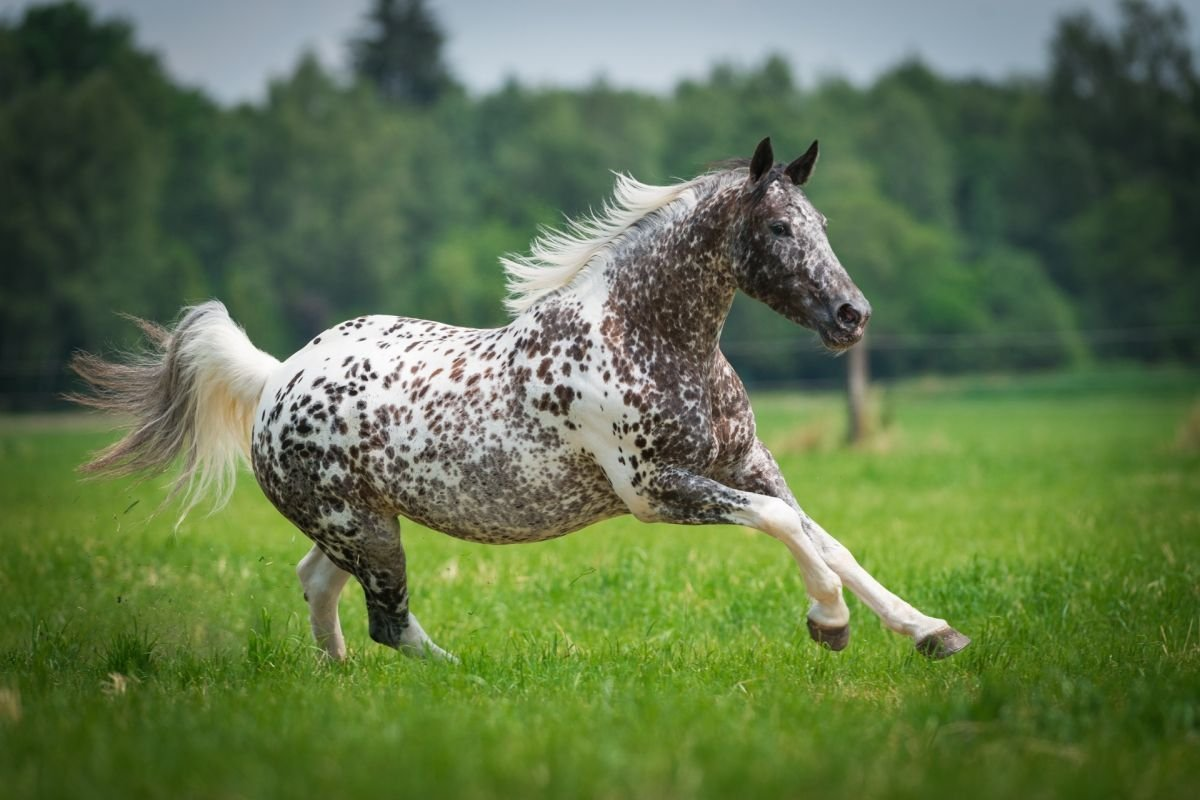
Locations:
(994, 225)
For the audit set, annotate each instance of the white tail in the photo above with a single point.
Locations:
(192, 394)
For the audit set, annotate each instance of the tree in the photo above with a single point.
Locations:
(986, 221)
(400, 53)
(86, 154)
(1112, 166)
(914, 160)
(322, 232)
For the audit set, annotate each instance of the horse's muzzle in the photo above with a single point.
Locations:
(847, 323)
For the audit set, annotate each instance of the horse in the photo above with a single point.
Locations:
(607, 394)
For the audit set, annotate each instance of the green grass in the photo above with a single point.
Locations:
(1055, 522)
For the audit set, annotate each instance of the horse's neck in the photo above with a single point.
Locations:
(673, 282)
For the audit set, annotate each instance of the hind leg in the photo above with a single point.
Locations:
(370, 549)
(323, 582)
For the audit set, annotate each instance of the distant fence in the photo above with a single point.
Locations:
(38, 384)
(811, 366)
(1096, 338)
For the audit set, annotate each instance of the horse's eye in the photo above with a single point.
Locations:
(781, 229)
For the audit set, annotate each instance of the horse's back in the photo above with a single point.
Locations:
(424, 420)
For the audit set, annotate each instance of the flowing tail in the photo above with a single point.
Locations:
(192, 393)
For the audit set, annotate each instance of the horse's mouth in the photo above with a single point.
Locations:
(839, 341)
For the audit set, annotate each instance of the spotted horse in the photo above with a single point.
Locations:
(607, 394)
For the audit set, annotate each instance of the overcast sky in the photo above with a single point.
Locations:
(232, 47)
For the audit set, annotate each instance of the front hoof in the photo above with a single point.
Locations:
(833, 638)
(943, 643)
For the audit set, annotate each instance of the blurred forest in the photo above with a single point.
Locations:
(1036, 222)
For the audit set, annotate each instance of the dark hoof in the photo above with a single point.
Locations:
(833, 638)
(943, 643)
(386, 629)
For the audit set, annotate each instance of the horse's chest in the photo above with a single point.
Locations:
(677, 423)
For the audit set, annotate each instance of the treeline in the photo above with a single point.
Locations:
(1025, 223)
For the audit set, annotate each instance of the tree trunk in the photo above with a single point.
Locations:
(857, 384)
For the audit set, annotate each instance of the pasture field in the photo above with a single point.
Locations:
(1055, 520)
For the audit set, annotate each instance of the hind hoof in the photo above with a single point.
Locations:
(833, 638)
(943, 643)
(428, 651)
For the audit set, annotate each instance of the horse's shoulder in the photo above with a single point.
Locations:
(732, 418)
(728, 393)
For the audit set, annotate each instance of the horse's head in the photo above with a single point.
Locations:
(782, 257)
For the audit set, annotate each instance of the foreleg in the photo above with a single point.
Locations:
(933, 636)
(686, 498)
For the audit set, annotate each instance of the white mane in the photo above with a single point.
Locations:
(557, 257)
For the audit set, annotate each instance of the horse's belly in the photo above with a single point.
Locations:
(408, 431)
(495, 493)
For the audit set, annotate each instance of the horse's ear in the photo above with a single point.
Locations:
(801, 169)
(764, 158)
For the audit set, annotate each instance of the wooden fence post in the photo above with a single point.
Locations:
(857, 389)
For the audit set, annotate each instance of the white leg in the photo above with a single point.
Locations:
(893, 611)
(323, 582)
(933, 636)
(779, 520)
(690, 499)
(415, 642)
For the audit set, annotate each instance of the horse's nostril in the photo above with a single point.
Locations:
(849, 316)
